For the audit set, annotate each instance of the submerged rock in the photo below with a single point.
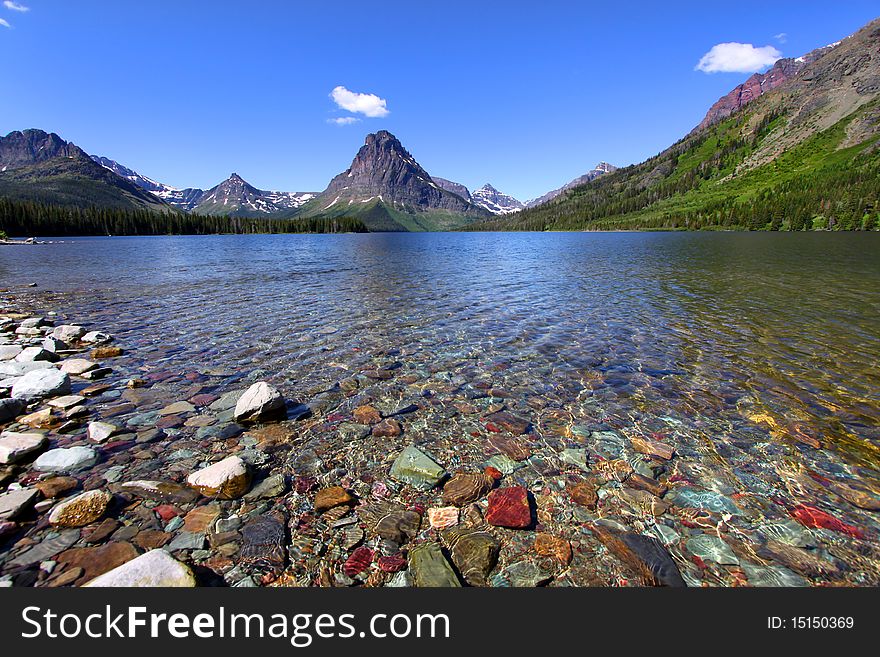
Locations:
(509, 507)
(466, 487)
(474, 552)
(429, 567)
(414, 467)
(264, 542)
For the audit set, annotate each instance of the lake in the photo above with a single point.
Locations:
(755, 355)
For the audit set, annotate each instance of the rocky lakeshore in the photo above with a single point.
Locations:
(116, 471)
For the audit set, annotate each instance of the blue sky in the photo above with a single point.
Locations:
(523, 95)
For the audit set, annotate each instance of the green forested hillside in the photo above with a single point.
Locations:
(28, 219)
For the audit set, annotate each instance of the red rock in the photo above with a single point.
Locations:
(509, 507)
(203, 399)
(169, 422)
(97, 560)
(304, 485)
(395, 563)
(508, 421)
(515, 449)
(201, 518)
(653, 448)
(494, 473)
(7, 527)
(358, 562)
(584, 493)
(167, 511)
(548, 545)
(810, 516)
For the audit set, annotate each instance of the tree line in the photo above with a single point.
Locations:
(33, 219)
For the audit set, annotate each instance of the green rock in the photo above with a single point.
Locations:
(504, 464)
(772, 576)
(522, 574)
(575, 457)
(429, 567)
(414, 467)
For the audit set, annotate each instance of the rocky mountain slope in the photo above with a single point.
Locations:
(598, 170)
(489, 198)
(42, 167)
(759, 84)
(233, 197)
(387, 189)
(804, 155)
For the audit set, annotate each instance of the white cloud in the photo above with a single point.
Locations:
(14, 6)
(737, 58)
(344, 120)
(782, 37)
(367, 104)
(4, 23)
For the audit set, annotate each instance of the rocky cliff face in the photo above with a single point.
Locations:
(384, 170)
(600, 169)
(19, 149)
(496, 202)
(759, 84)
(454, 187)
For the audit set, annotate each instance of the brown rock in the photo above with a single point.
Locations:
(514, 448)
(100, 353)
(584, 493)
(81, 510)
(548, 545)
(509, 421)
(641, 482)
(102, 531)
(67, 577)
(653, 448)
(150, 539)
(333, 496)
(466, 487)
(387, 428)
(201, 518)
(96, 561)
(366, 415)
(55, 486)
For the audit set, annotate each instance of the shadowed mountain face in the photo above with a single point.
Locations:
(389, 190)
(236, 197)
(42, 167)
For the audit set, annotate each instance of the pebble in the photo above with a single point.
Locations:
(443, 517)
(331, 497)
(15, 447)
(429, 567)
(99, 432)
(259, 403)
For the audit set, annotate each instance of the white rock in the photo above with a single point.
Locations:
(68, 333)
(260, 401)
(66, 459)
(101, 431)
(31, 354)
(15, 502)
(15, 446)
(66, 401)
(227, 479)
(32, 322)
(78, 365)
(93, 337)
(152, 569)
(17, 368)
(9, 351)
(54, 344)
(41, 383)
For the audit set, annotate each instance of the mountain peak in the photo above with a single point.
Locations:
(489, 198)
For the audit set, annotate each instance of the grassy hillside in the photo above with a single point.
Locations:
(703, 182)
(76, 182)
